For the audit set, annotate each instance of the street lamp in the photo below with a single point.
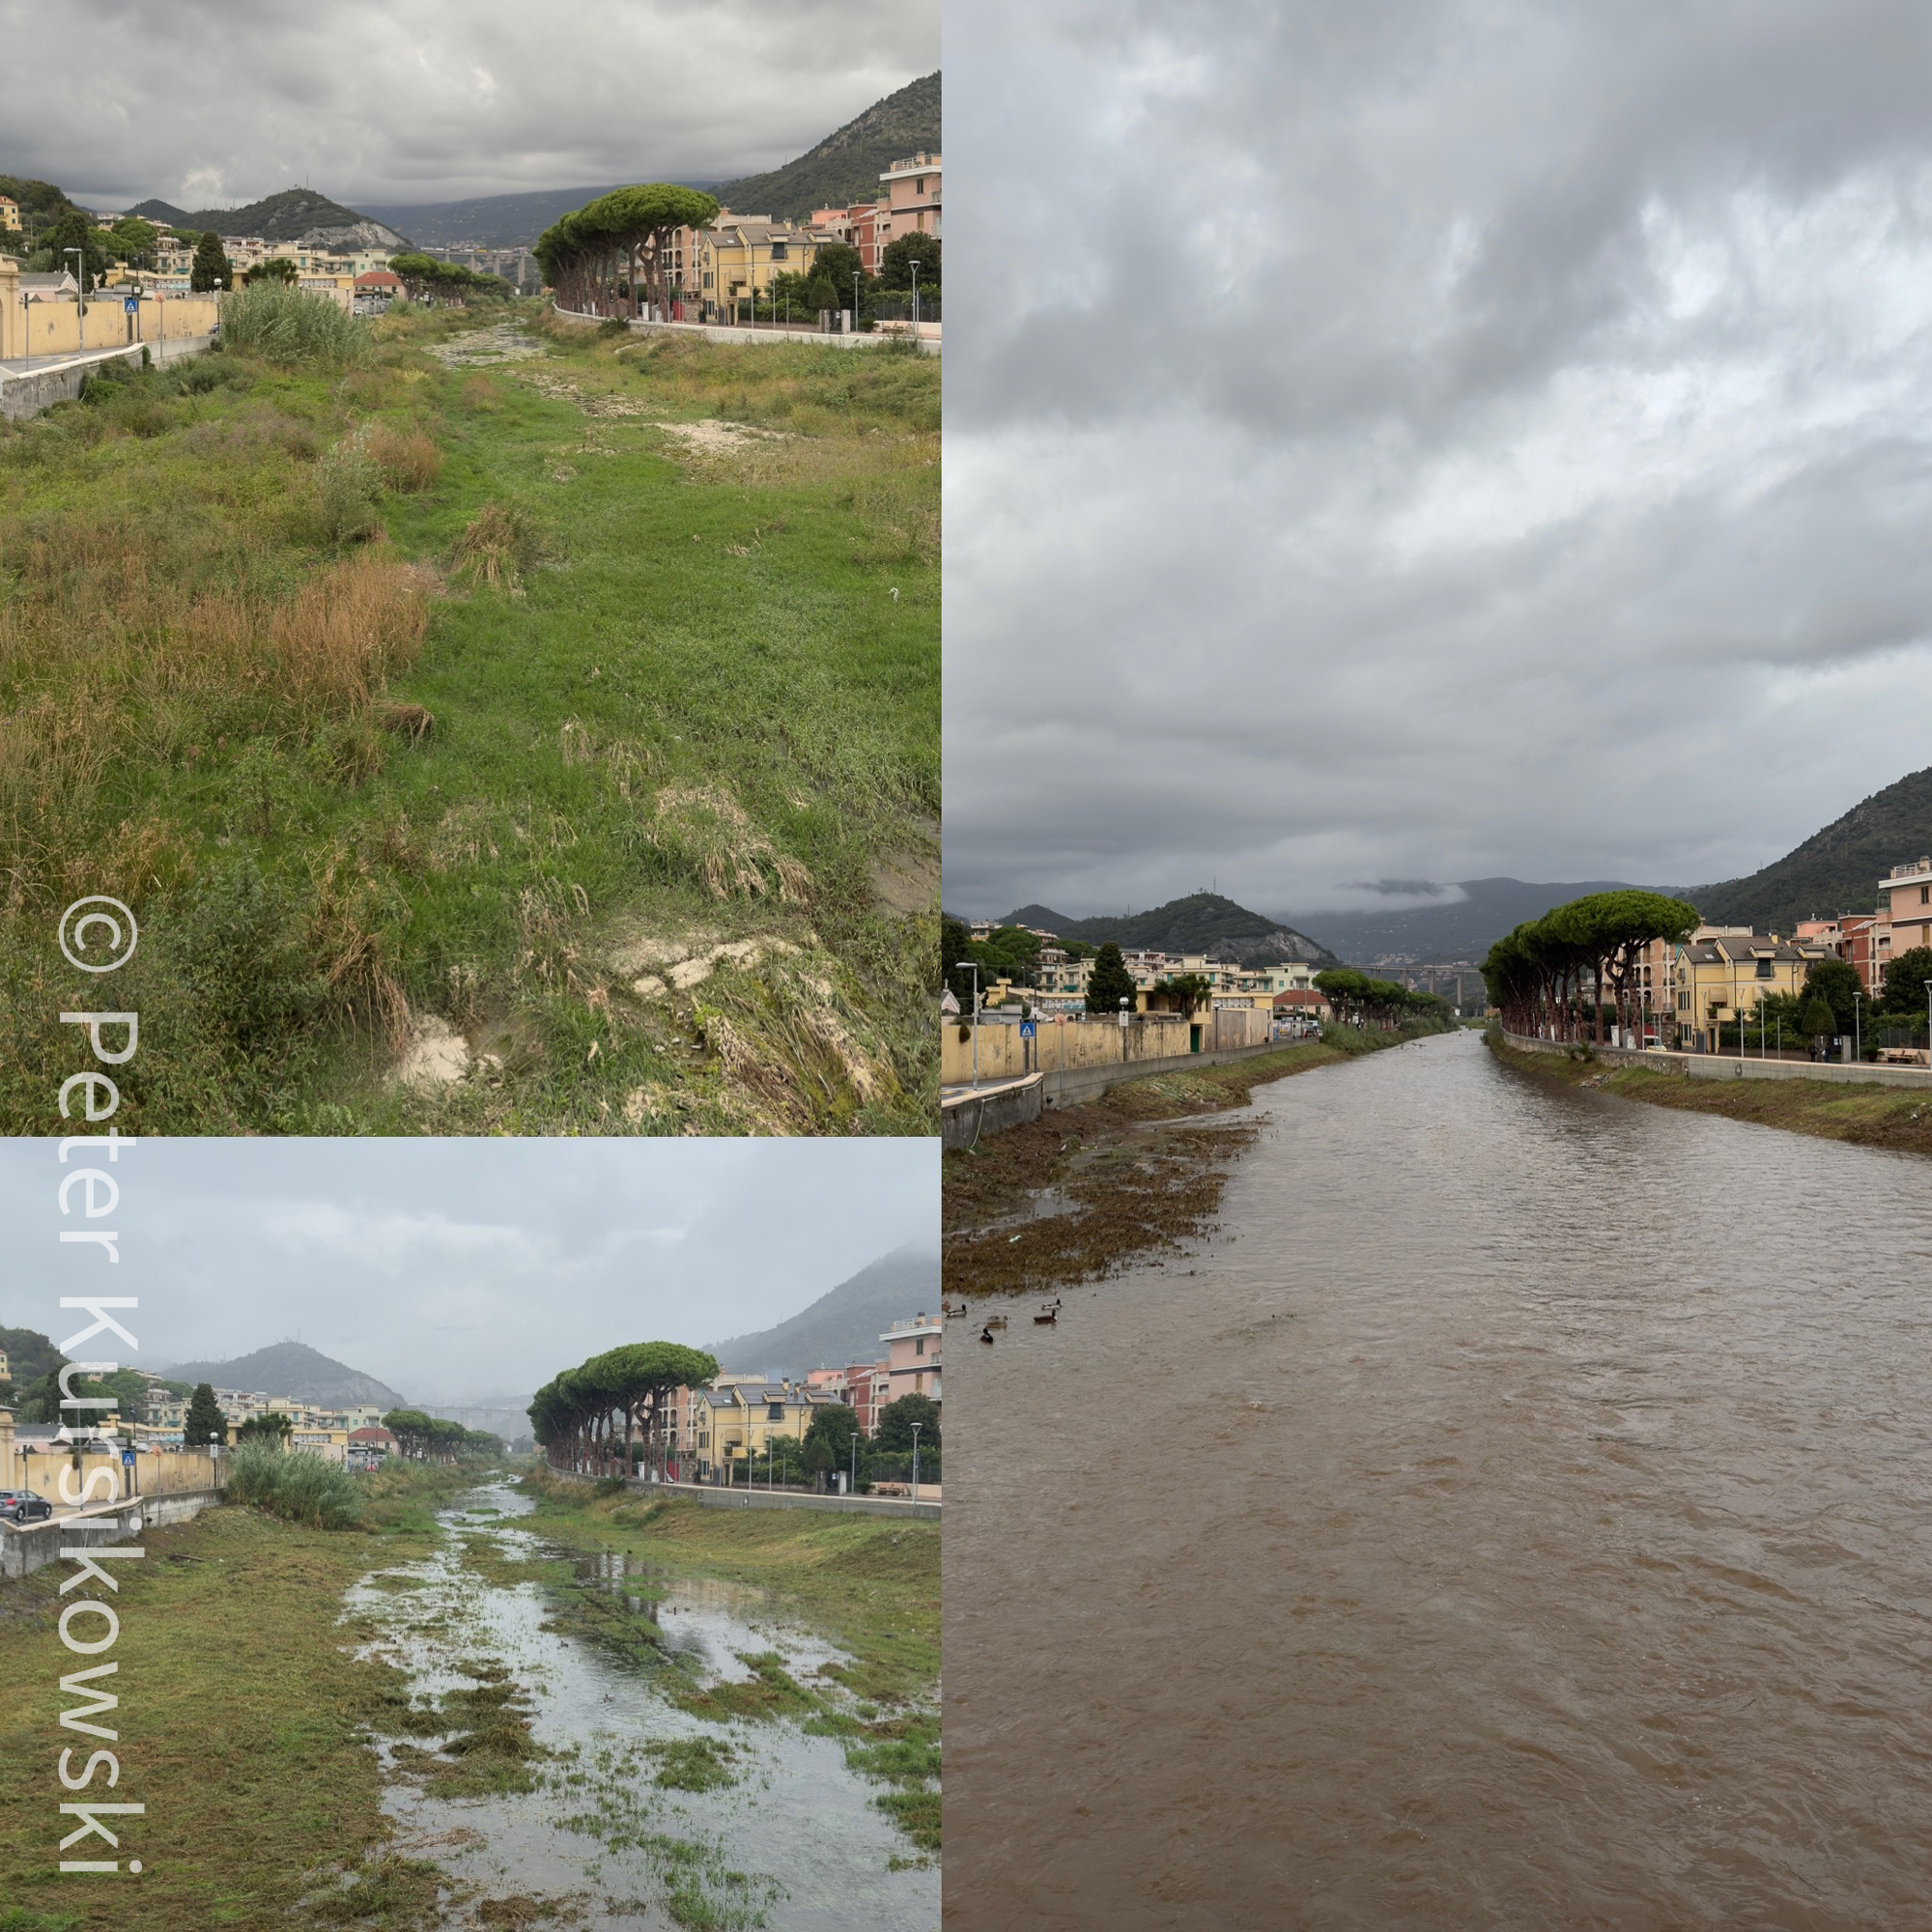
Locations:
(1858, 1045)
(79, 307)
(915, 302)
(856, 272)
(915, 1461)
(972, 966)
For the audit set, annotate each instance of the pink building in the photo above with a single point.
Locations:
(912, 1358)
(912, 197)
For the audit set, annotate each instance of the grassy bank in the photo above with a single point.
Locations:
(488, 740)
(869, 1584)
(1137, 1171)
(241, 1723)
(1898, 1118)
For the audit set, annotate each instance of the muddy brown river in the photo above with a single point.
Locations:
(1522, 1516)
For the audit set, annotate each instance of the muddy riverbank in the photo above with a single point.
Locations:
(1136, 1173)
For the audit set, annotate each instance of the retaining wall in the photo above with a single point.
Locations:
(1732, 1067)
(718, 331)
(966, 1117)
(26, 1549)
(756, 1498)
(27, 393)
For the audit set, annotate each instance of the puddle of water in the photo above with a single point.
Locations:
(504, 342)
(798, 1831)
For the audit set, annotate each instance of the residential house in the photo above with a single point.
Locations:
(367, 1448)
(1904, 918)
(912, 1358)
(719, 267)
(1723, 976)
(9, 212)
(911, 200)
(734, 1423)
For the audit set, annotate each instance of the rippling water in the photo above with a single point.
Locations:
(1522, 1517)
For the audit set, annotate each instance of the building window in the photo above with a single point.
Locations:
(919, 1347)
(777, 252)
(1764, 969)
(775, 1412)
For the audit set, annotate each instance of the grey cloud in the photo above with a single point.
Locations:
(1448, 441)
(453, 1270)
(207, 102)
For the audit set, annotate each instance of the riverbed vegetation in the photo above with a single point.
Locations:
(243, 1722)
(495, 728)
(1137, 1173)
(869, 1584)
(1897, 1119)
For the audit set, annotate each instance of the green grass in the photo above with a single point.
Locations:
(1870, 1115)
(412, 697)
(241, 1723)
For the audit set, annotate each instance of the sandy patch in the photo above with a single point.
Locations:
(713, 436)
(905, 883)
(436, 1055)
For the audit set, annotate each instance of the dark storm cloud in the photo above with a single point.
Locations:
(1430, 442)
(212, 101)
(452, 1270)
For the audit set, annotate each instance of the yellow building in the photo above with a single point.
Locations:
(1722, 976)
(731, 1423)
(718, 267)
(9, 212)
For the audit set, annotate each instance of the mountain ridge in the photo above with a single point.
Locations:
(1207, 922)
(845, 1324)
(846, 165)
(1836, 869)
(295, 1369)
(293, 215)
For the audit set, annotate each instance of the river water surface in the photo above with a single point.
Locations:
(1521, 1516)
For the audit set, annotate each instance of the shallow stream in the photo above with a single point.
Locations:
(642, 1814)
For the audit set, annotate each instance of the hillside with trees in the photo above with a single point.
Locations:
(1834, 870)
(292, 1368)
(287, 217)
(1201, 923)
(846, 165)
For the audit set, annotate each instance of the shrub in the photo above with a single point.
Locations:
(287, 325)
(295, 1485)
(243, 945)
(406, 459)
(347, 484)
(497, 547)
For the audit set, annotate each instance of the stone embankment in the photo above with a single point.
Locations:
(1731, 1066)
(30, 1547)
(712, 1497)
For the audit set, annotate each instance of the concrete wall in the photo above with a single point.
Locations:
(1730, 1066)
(791, 1499)
(1082, 1040)
(721, 333)
(26, 1549)
(965, 1119)
(28, 394)
(55, 326)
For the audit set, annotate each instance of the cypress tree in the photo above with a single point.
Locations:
(211, 264)
(1111, 981)
(205, 1421)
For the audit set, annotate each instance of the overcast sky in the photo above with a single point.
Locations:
(1428, 442)
(456, 1269)
(207, 102)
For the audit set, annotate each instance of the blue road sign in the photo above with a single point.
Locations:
(126, 1458)
(131, 304)
(1026, 1029)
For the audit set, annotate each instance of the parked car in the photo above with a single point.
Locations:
(23, 1506)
